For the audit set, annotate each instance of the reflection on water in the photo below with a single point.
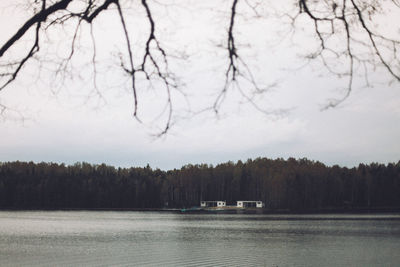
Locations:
(82, 238)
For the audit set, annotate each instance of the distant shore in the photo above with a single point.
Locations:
(239, 211)
(283, 186)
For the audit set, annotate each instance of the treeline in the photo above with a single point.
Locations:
(296, 185)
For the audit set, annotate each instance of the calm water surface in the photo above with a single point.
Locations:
(88, 238)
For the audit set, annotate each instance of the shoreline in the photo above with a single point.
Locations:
(227, 211)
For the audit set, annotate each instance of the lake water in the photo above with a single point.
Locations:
(91, 238)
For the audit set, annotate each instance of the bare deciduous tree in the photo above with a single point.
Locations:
(346, 32)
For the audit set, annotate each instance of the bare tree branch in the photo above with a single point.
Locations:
(131, 69)
(36, 19)
(348, 44)
(354, 25)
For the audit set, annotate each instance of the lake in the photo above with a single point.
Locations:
(104, 238)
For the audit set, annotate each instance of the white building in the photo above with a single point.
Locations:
(218, 203)
(249, 204)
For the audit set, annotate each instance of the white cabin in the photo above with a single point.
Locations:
(249, 204)
(218, 203)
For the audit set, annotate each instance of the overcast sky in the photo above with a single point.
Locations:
(64, 122)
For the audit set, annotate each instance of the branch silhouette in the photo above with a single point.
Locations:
(358, 43)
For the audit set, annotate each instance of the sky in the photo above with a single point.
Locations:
(60, 120)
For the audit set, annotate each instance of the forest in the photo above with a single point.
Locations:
(283, 185)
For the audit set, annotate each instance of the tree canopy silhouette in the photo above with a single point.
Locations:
(292, 185)
(350, 41)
